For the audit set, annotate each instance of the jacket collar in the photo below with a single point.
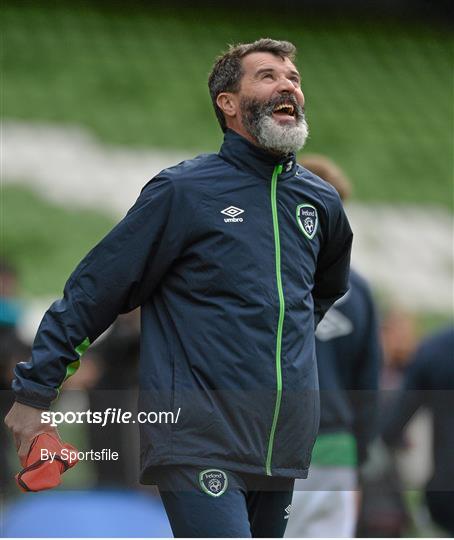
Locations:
(246, 156)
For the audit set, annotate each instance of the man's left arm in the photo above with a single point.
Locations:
(333, 265)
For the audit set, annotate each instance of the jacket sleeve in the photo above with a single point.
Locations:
(117, 276)
(333, 265)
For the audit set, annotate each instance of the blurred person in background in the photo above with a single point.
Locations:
(429, 382)
(349, 360)
(383, 512)
(234, 258)
(10, 306)
(12, 351)
(399, 335)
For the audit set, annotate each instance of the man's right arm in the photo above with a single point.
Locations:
(118, 275)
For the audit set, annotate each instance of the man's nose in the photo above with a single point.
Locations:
(286, 85)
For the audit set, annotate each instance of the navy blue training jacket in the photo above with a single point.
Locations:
(234, 258)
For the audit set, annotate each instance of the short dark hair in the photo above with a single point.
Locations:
(227, 70)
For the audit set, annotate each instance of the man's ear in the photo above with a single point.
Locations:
(227, 103)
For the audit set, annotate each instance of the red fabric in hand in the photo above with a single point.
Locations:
(38, 473)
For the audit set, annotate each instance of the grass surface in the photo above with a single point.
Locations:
(379, 96)
(45, 241)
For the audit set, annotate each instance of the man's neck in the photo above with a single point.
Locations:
(241, 131)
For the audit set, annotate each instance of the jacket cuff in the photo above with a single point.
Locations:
(33, 394)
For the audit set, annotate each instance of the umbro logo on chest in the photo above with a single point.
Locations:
(232, 213)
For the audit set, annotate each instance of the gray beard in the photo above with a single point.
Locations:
(275, 137)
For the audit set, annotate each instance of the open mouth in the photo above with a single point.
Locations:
(284, 111)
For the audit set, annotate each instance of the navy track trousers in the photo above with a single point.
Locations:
(219, 503)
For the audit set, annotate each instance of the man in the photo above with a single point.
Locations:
(348, 359)
(234, 258)
(429, 382)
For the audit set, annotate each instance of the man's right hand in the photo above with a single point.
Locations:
(25, 423)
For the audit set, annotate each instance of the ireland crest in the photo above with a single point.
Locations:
(213, 481)
(307, 218)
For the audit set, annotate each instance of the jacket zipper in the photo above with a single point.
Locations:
(277, 247)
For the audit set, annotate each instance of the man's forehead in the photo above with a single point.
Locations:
(262, 60)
